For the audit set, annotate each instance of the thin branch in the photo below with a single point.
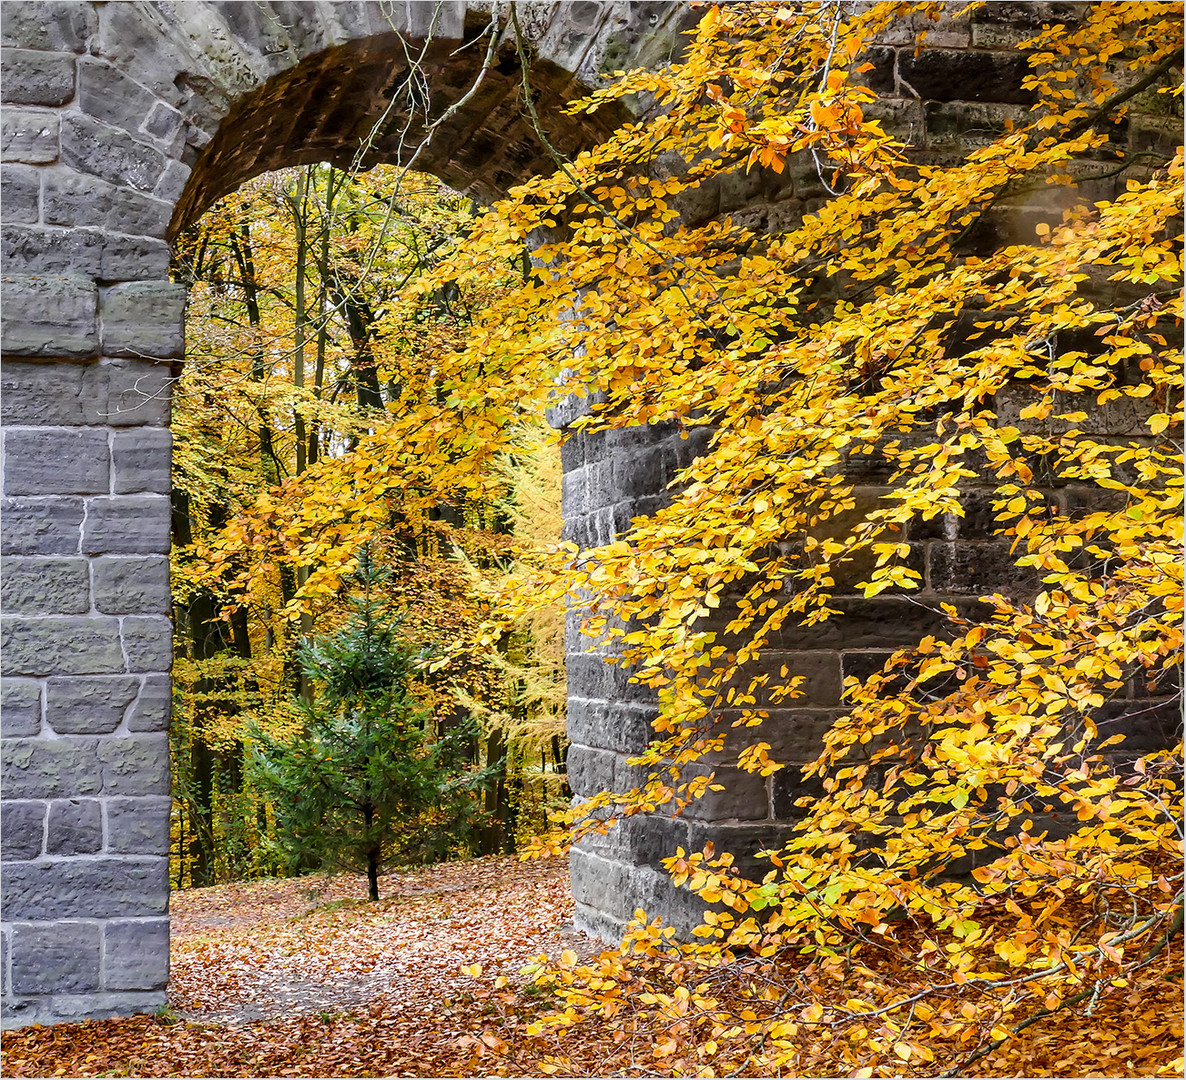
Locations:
(563, 165)
(1173, 60)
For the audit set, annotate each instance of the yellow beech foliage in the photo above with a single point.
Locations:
(986, 853)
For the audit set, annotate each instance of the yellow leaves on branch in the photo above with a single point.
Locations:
(1038, 382)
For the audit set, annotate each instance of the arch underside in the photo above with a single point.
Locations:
(430, 105)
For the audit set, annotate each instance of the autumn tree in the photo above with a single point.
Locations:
(523, 707)
(943, 901)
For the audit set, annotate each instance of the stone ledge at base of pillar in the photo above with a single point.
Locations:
(19, 1012)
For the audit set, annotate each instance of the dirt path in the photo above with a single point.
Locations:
(302, 978)
(310, 946)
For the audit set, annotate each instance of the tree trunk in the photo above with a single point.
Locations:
(510, 795)
(495, 798)
(560, 758)
(331, 187)
(373, 852)
(208, 635)
(201, 803)
(299, 205)
(360, 325)
(373, 874)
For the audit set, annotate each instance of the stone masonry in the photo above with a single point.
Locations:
(121, 123)
(959, 92)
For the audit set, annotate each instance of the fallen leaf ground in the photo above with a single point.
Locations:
(311, 946)
(302, 978)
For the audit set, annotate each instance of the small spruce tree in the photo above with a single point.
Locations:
(366, 784)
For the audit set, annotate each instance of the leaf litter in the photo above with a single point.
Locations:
(302, 978)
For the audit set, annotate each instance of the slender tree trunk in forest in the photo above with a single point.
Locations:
(360, 322)
(245, 259)
(361, 319)
(201, 802)
(288, 586)
(332, 185)
(208, 636)
(181, 846)
(373, 853)
(299, 205)
(373, 874)
(496, 801)
(270, 464)
(510, 794)
(560, 758)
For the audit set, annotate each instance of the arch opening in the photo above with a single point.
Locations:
(306, 342)
(449, 108)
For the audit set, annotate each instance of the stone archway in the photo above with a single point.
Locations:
(121, 123)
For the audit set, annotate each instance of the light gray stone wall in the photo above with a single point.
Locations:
(86, 654)
(89, 328)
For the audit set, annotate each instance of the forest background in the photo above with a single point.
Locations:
(305, 331)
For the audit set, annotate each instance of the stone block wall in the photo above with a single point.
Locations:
(90, 328)
(84, 586)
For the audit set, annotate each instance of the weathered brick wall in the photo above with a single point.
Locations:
(121, 121)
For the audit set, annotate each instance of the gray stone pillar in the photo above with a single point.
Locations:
(90, 323)
(86, 655)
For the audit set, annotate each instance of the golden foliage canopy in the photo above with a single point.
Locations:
(878, 327)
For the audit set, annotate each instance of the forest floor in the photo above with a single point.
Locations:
(303, 978)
